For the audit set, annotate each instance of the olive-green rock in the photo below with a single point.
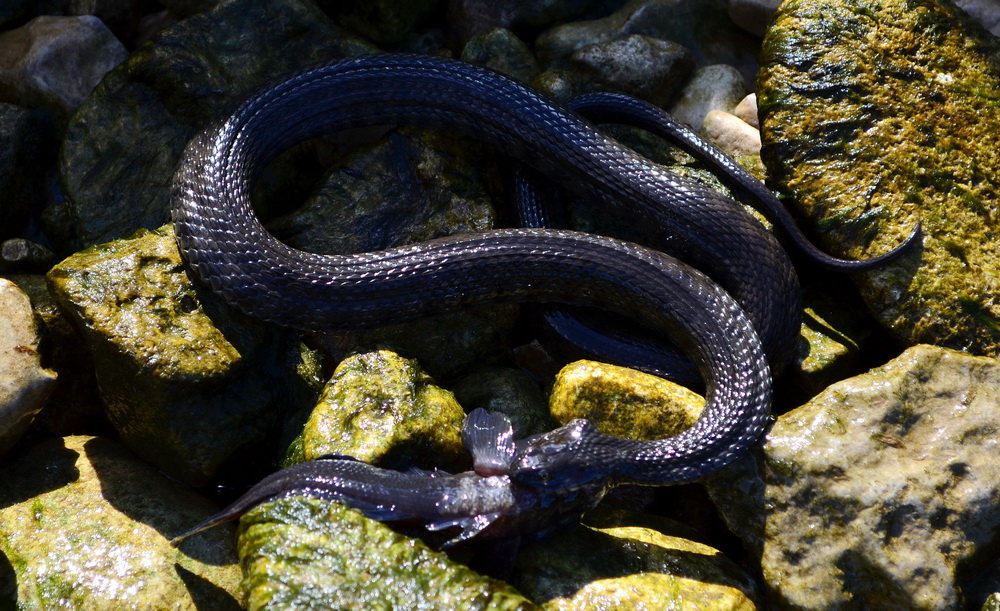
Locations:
(85, 525)
(622, 401)
(307, 553)
(382, 408)
(880, 114)
(186, 380)
(509, 391)
(123, 144)
(630, 567)
(879, 493)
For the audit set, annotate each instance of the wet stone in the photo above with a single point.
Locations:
(308, 553)
(186, 380)
(630, 566)
(55, 62)
(85, 525)
(622, 401)
(891, 477)
(123, 145)
(24, 384)
(642, 66)
(382, 408)
(512, 392)
(868, 147)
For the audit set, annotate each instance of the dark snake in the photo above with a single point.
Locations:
(229, 249)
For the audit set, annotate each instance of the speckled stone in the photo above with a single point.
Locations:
(308, 553)
(880, 491)
(715, 87)
(85, 525)
(866, 147)
(622, 401)
(24, 384)
(642, 66)
(630, 566)
(186, 380)
(382, 408)
(55, 62)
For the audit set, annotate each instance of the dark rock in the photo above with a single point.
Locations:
(512, 392)
(18, 255)
(27, 166)
(504, 52)
(753, 15)
(470, 18)
(387, 22)
(123, 145)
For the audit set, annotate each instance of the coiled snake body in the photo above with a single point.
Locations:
(229, 249)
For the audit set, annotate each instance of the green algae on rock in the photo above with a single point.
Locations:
(622, 401)
(881, 491)
(85, 525)
(123, 144)
(382, 408)
(186, 380)
(877, 115)
(307, 553)
(630, 567)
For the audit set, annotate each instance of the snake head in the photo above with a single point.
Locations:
(558, 460)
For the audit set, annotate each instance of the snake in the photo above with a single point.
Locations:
(733, 316)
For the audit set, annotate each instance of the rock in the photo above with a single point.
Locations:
(753, 15)
(641, 66)
(383, 409)
(986, 12)
(868, 148)
(470, 18)
(501, 50)
(20, 255)
(630, 567)
(622, 401)
(186, 8)
(386, 22)
(123, 145)
(700, 26)
(717, 87)
(731, 133)
(74, 406)
(186, 380)
(24, 384)
(86, 525)
(27, 166)
(55, 62)
(747, 110)
(891, 477)
(300, 552)
(512, 392)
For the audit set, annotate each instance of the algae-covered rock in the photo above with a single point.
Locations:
(382, 408)
(85, 525)
(622, 401)
(878, 115)
(308, 553)
(24, 384)
(123, 144)
(187, 381)
(881, 491)
(630, 567)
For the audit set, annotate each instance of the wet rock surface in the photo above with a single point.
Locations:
(84, 524)
(867, 148)
(186, 380)
(889, 477)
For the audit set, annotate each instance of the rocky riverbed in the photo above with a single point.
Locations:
(134, 401)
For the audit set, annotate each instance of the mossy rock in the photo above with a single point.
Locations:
(85, 525)
(382, 408)
(307, 553)
(880, 114)
(186, 380)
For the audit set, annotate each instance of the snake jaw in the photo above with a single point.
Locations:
(553, 460)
